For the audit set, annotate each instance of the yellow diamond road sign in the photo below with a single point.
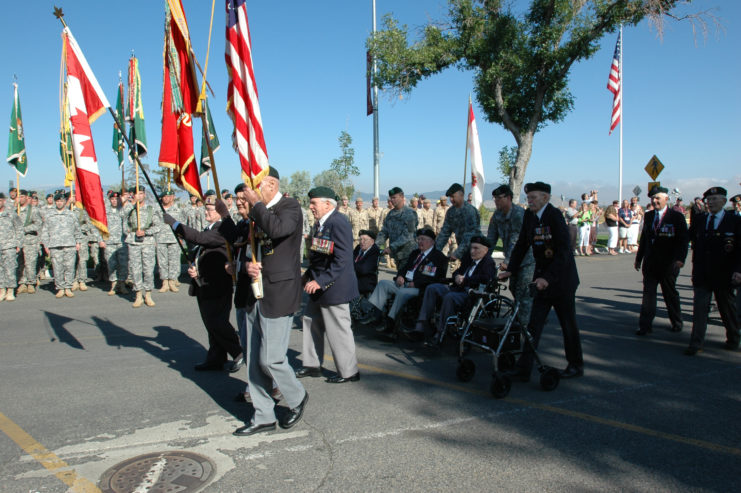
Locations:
(654, 167)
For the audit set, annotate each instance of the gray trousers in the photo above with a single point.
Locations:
(386, 288)
(63, 263)
(30, 263)
(141, 265)
(8, 266)
(168, 260)
(83, 254)
(267, 345)
(334, 321)
(726, 307)
(116, 256)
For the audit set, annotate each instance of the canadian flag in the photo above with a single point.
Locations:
(477, 164)
(86, 103)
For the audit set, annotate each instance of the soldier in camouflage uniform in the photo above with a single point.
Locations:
(462, 219)
(344, 209)
(11, 241)
(426, 215)
(195, 216)
(32, 221)
(168, 250)
(62, 237)
(358, 221)
(505, 224)
(399, 228)
(140, 226)
(116, 253)
(374, 213)
(90, 234)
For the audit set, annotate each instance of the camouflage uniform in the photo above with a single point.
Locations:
(375, 218)
(465, 222)
(399, 227)
(90, 234)
(61, 234)
(344, 210)
(507, 228)
(32, 222)
(306, 230)
(11, 239)
(168, 250)
(142, 253)
(426, 218)
(116, 254)
(358, 221)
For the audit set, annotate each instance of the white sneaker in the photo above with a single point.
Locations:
(622, 250)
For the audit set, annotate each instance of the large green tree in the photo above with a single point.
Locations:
(297, 186)
(521, 60)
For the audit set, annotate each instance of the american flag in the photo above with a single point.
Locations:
(242, 100)
(615, 85)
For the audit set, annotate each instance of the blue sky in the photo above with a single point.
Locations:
(681, 99)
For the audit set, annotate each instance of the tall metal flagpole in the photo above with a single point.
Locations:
(622, 117)
(376, 167)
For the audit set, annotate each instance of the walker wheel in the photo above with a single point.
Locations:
(466, 370)
(500, 386)
(549, 379)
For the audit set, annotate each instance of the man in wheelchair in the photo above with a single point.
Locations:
(426, 265)
(477, 268)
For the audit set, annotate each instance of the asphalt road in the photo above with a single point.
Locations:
(89, 382)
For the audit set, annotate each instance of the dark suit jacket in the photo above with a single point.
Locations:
(366, 269)
(483, 273)
(210, 258)
(717, 255)
(658, 250)
(278, 233)
(554, 258)
(332, 269)
(431, 270)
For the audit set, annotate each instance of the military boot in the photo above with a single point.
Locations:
(75, 285)
(22, 289)
(68, 293)
(148, 298)
(165, 286)
(122, 287)
(82, 286)
(9, 295)
(3, 292)
(139, 300)
(60, 293)
(31, 289)
(114, 284)
(173, 286)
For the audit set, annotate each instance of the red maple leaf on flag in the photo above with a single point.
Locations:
(81, 126)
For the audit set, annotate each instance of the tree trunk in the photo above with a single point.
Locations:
(517, 173)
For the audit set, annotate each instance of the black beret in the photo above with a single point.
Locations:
(502, 190)
(322, 193)
(60, 196)
(273, 172)
(240, 187)
(538, 186)
(133, 189)
(657, 189)
(22, 192)
(367, 232)
(455, 187)
(736, 198)
(224, 191)
(481, 240)
(395, 190)
(426, 232)
(715, 191)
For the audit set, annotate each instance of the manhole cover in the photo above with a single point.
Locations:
(172, 472)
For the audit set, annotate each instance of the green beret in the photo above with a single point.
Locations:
(60, 196)
(502, 190)
(273, 172)
(2, 195)
(367, 232)
(23, 192)
(209, 192)
(169, 192)
(481, 240)
(658, 189)
(455, 187)
(715, 191)
(49, 195)
(132, 190)
(322, 193)
(538, 186)
(395, 190)
(13, 189)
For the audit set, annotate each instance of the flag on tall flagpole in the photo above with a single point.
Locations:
(65, 142)
(615, 85)
(16, 141)
(118, 144)
(179, 100)
(135, 110)
(212, 138)
(477, 164)
(86, 103)
(242, 99)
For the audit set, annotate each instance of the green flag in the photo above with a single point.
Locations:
(118, 136)
(16, 143)
(212, 138)
(135, 115)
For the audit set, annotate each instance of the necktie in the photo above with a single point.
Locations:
(711, 224)
(657, 221)
(318, 227)
(360, 255)
(418, 261)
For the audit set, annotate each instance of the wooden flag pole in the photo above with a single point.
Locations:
(17, 192)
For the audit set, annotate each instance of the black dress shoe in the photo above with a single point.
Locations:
(571, 372)
(248, 430)
(731, 346)
(643, 332)
(242, 397)
(676, 329)
(520, 374)
(692, 350)
(294, 415)
(308, 371)
(208, 366)
(235, 365)
(340, 379)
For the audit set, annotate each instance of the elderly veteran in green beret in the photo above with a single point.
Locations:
(461, 219)
(398, 228)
